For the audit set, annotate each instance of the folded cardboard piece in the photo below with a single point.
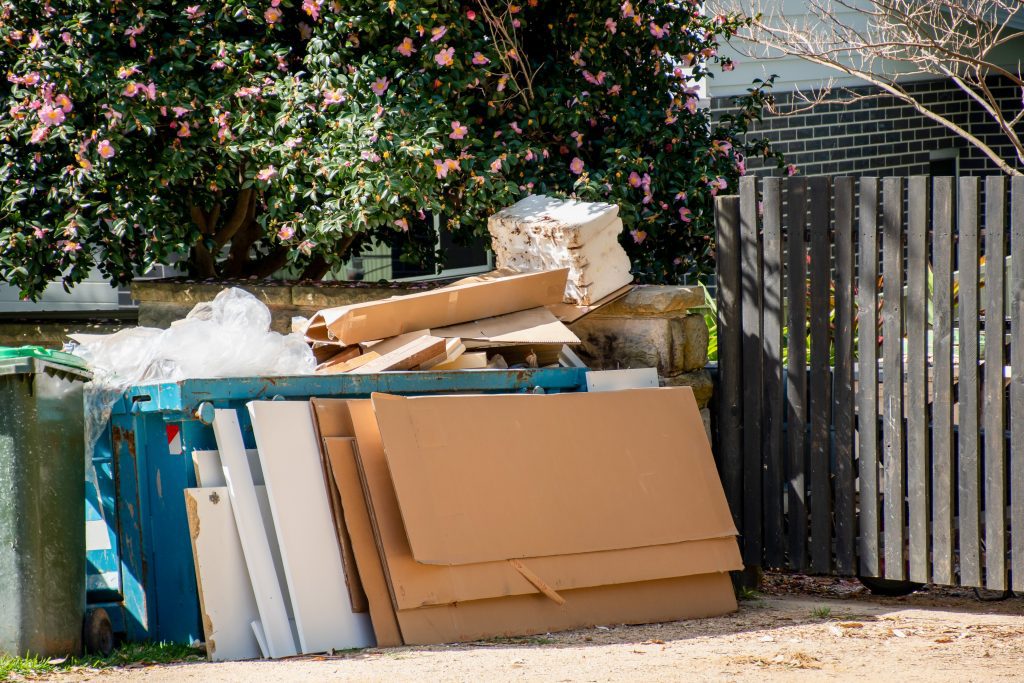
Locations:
(436, 308)
(569, 524)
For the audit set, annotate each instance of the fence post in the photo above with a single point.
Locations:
(730, 369)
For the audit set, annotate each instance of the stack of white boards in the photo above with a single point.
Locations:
(272, 581)
(545, 233)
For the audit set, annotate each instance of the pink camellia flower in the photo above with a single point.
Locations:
(193, 12)
(530, 156)
(224, 133)
(39, 134)
(496, 166)
(36, 41)
(64, 102)
(125, 72)
(105, 149)
(634, 179)
(149, 90)
(184, 131)
(691, 105)
(685, 215)
(615, 89)
(729, 66)
(333, 97)
(132, 32)
(286, 233)
(267, 173)
(627, 10)
(72, 246)
(791, 169)
(379, 86)
(458, 131)
(479, 59)
(515, 126)
(84, 163)
(180, 111)
(405, 48)
(638, 236)
(445, 57)
(657, 31)
(403, 224)
(610, 25)
(312, 8)
(576, 165)
(471, 15)
(51, 116)
(218, 65)
(66, 38)
(272, 15)
(131, 89)
(437, 33)
(440, 168)
(39, 233)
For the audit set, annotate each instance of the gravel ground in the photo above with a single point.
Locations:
(800, 628)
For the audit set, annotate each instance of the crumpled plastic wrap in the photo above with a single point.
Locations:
(227, 337)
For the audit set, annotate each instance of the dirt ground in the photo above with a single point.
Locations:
(799, 629)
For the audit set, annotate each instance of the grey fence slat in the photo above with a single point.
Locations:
(820, 390)
(942, 383)
(1017, 383)
(842, 391)
(892, 377)
(774, 540)
(753, 388)
(967, 386)
(917, 377)
(867, 381)
(730, 442)
(796, 376)
(995, 440)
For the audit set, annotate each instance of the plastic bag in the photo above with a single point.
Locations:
(227, 337)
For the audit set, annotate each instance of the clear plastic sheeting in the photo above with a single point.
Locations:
(227, 337)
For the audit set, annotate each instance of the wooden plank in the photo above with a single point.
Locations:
(842, 391)
(943, 503)
(967, 387)
(796, 372)
(253, 535)
(350, 365)
(992, 409)
(226, 599)
(1017, 383)
(753, 388)
(892, 375)
(867, 378)
(917, 378)
(730, 373)
(820, 403)
(773, 403)
(405, 357)
(290, 456)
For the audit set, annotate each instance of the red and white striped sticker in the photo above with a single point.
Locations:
(174, 439)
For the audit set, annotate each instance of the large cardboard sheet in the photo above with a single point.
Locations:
(437, 308)
(416, 584)
(533, 326)
(485, 478)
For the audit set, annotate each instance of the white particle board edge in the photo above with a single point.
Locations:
(210, 470)
(614, 380)
(290, 457)
(255, 545)
(261, 638)
(225, 591)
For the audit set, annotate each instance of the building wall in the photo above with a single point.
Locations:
(882, 135)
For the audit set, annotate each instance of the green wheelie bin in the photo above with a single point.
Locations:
(42, 486)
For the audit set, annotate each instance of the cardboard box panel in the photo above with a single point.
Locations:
(486, 478)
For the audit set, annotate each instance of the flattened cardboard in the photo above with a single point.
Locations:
(436, 308)
(689, 597)
(341, 454)
(533, 326)
(570, 313)
(348, 366)
(466, 361)
(405, 357)
(416, 585)
(648, 445)
(453, 348)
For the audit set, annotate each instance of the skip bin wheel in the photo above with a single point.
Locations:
(98, 632)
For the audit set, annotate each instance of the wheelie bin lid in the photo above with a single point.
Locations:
(28, 358)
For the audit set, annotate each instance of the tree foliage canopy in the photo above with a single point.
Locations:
(246, 136)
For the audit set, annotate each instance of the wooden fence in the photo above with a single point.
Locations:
(867, 423)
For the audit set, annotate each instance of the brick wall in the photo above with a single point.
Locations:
(882, 135)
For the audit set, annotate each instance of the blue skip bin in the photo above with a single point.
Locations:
(139, 557)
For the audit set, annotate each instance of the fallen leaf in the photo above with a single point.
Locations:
(851, 624)
(944, 639)
(654, 642)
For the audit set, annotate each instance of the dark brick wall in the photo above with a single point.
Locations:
(882, 135)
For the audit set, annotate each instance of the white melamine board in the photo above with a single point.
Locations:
(614, 380)
(261, 638)
(225, 591)
(287, 444)
(255, 544)
(210, 470)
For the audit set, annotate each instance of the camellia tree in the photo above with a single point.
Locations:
(244, 137)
